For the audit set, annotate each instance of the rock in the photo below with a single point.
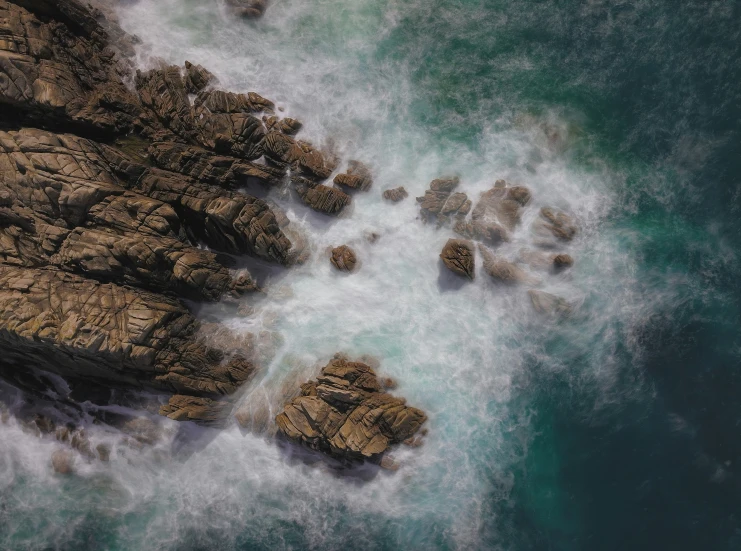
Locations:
(458, 256)
(550, 305)
(357, 177)
(200, 409)
(343, 258)
(62, 72)
(62, 461)
(289, 126)
(395, 195)
(501, 205)
(143, 430)
(442, 203)
(197, 78)
(561, 261)
(249, 9)
(345, 414)
(321, 198)
(82, 329)
(557, 223)
(502, 270)
(490, 233)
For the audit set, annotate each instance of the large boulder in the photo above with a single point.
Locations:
(346, 414)
(459, 257)
(343, 258)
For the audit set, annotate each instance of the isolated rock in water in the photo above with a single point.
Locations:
(62, 461)
(250, 9)
(561, 261)
(501, 205)
(395, 195)
(343, 258)
(555, 222)
(345, 414)
(502, 270)
(441, 203)
(358, 177)
(548, 304)
(458, 256)
(197, 78)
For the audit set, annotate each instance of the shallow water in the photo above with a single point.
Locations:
(613, 429)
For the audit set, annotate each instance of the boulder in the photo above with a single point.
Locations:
(458, 255)
(343, 258)
(554, 223)
(345, 414)
(501, 270)
(319, 197)
(439, 202)
(197, 78)
(62, 461)
(396, 194)
(357, 177)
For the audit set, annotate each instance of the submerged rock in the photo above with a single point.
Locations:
(458, 256)
(343, 258)
(345, 414)
(62, 461)
(551, 305)
(501, 270)
(556, 223)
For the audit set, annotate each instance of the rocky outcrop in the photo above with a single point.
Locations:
(197, 78)
(85, 330)
(56, 67)
(346, 414)
(395, 195)
(440, 203)
(357, 177)
(319, 197)
(343, 258)
(458, 255)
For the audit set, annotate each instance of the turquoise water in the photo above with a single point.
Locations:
(615, 429)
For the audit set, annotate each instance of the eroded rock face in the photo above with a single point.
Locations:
(458, 255)
(345, 414)
(343, 258)
(83, 329)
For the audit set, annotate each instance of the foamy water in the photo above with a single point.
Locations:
(464, 353)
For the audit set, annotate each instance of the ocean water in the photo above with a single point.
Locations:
(617, 428)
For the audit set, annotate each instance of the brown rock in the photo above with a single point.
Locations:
(202, 410)
(458, 256)
(357, 177)
(321, 198)
(197, 78)
(561, 261)
(343, 258)
(395, 195)
(62, 461)
(346, 415)
(557, 222)
(502, 270)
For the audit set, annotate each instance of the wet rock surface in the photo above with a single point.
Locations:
(343, 258)
(345, 414)
(459, 257)
(395, 195)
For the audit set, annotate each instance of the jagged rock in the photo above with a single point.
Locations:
(163, 92)
(343, 258)
(345, 414)
(500, 205)
(62, 461)
(61, 72)
(441, 202)
(557, 223)
(458, 256)
(289, 126)
(83, 329)
(550, 305)
(357, 177)
(321, 198)
(395, 195)
(202, 410)
(445, 185)
(502, 270)
(219, 101)
(197, 78)
(207, 167)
